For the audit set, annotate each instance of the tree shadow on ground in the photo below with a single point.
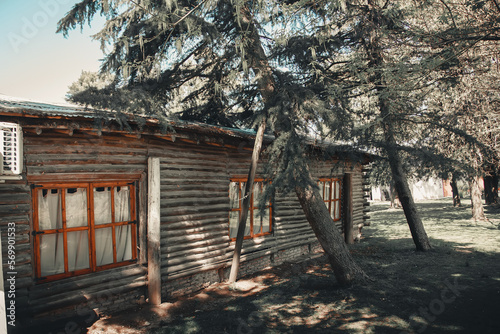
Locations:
(455, 288)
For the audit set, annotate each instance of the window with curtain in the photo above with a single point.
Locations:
(259, 222)
(83, 227)
(330, 192)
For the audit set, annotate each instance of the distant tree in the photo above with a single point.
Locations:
(470, 101)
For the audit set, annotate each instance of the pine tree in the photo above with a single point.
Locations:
(217, 55)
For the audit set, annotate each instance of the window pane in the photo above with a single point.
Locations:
(233, 224)
(234, 216)
(76, 207)
(243, 185)
(247, 225)
(234, 195)
(321, 189)
(103, 246)
(122, 204)
(256, 194)
(266, 221)
(332, 209)
(102, 205)
(49, 209)
(257, 221)
(337, 210)
(327, 191)
(123, 236)
(78, 250)
(337, 190)
(51, 254)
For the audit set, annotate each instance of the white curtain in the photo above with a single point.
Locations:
(52, 245)
(123, 234)
(76, 216)
(102, 205)
(103, 246)
(104, 236)
(236, 202)
(122, 204)
(49, 209)
(50, 218)
(257, 218)
(76, 207)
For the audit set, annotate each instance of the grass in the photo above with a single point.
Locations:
(454, 288)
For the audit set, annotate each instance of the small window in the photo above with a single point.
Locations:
(259, 222)
(82, 228)
(330, 192)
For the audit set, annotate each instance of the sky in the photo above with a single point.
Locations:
(36, 63)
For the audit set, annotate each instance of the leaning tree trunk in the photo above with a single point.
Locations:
(235, 266)
(454, 191)
(475, 198)
(399, 177)
(413, 219)
(345, 269)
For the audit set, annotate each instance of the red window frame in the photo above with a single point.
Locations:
(252, 208)
(91, 226)
(332, 202)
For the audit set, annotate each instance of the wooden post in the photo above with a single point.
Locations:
(154, 250)
(3, 310)
(348, 209)
(143, 218)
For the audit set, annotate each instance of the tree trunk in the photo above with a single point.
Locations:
(235, 265)
(491, 188)
(475, 198)
(454, 190)
(265, 82)
(344, 267)
(387, 115)
(393, 196)
(413, 219)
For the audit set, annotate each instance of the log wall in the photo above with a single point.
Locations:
(195, 249)
(52, 156)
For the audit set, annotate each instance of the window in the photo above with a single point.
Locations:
(83, 227)
(256, 224)
(330, 192)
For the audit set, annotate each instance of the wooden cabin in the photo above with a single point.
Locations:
(95, 218)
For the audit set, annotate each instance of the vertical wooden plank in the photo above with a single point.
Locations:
(348, 209)
(143, 216)
(154, 249)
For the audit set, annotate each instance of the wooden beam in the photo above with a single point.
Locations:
(348, 209)
(154, 249)
(143, 218)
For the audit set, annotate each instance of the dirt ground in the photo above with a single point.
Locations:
(455, 288)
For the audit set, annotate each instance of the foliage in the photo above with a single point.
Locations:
(331, 64)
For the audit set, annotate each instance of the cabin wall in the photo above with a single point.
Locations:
(196, 250)
(58, 157)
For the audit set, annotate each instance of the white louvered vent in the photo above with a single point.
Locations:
(11, 149)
